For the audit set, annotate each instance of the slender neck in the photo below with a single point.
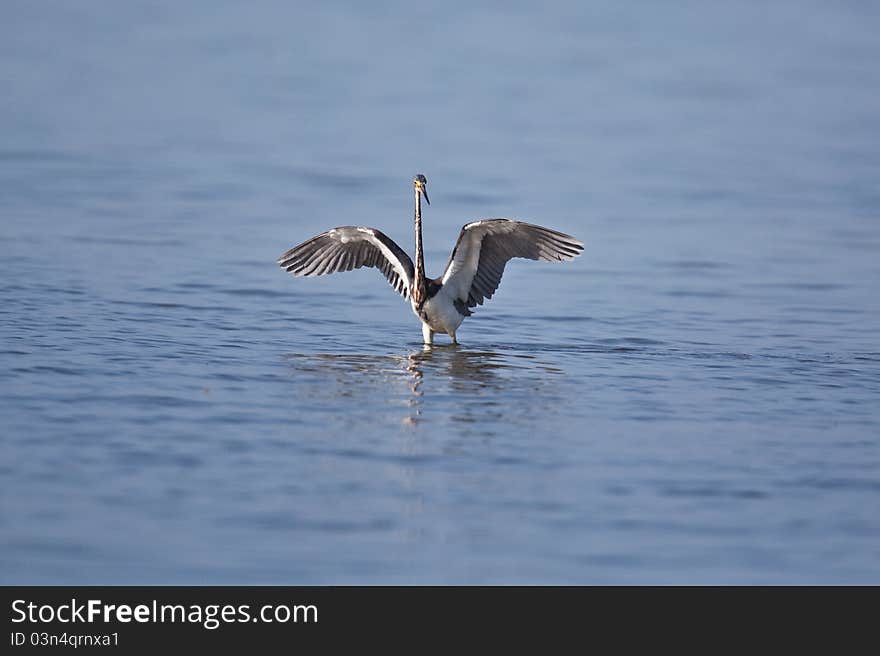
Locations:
(419, 282)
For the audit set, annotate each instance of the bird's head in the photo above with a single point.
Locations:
(421, 186)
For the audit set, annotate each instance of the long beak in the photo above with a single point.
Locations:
(424, 191)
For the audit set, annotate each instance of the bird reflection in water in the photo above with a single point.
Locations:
(365, 380)
(467, 372)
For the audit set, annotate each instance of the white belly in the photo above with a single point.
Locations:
(440, 314)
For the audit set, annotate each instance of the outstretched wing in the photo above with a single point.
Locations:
(347, 248)
(484, 247)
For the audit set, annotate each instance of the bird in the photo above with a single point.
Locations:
(472, 274)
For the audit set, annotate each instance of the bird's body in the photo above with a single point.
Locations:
(472, 275)
(438, 313)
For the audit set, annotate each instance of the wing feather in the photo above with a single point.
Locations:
(484, 247)
(351, 247)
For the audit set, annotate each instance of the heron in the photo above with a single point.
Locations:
(472, 274)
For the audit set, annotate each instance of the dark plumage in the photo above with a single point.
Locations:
(494, 242)
(351, 247)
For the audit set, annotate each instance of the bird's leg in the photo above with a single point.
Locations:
(452, 334)
(427, 334)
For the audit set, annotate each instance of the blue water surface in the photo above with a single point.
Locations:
(696, 399)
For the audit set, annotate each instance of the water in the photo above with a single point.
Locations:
(694, 400)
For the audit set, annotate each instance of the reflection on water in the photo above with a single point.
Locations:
(474, 377)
